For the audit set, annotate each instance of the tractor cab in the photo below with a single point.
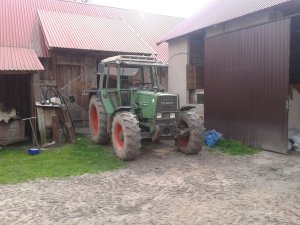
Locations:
(124, 75)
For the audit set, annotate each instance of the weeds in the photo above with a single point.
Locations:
(232, 147)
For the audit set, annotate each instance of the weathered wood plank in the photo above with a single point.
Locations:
(41, 124)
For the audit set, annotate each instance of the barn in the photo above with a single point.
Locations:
(57, 43)
(241, 59)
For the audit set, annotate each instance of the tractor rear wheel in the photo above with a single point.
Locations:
(192, 141)
(98, 121)
(126, 136)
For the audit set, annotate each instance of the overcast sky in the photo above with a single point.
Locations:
(183, 8)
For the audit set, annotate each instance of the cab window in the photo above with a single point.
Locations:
(112, 76)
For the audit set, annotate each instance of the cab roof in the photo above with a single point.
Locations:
(133, 60)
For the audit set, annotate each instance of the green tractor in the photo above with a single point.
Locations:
(129, 105)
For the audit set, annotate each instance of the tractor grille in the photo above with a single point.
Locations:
(166, 104)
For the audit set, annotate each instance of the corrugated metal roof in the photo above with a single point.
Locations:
(219, 11)
(69, 31)
(16, 59)
(19, 23)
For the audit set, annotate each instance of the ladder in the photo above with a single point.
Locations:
(66, 122)
(63, 114)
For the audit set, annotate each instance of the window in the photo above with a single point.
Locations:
(112, 76)
(126, 71)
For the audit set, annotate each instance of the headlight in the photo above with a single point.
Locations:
(172, 115)
(159, 115)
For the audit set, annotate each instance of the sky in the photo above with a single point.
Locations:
(183, 8)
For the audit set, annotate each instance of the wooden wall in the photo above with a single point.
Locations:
(195, 68)
(196, 49)
(73, 74)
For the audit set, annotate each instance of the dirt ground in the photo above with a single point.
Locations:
(165, 187)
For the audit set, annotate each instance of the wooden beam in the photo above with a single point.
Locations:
(41, 124)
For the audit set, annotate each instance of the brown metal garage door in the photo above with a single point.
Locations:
(246, 85)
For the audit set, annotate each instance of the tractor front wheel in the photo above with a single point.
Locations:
(98, 121)
(191, 125)
(126, 136)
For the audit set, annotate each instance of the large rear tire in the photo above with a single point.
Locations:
(126, 136)
(192, 142)
(98, 121)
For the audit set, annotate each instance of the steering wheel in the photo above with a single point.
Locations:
(135, 82)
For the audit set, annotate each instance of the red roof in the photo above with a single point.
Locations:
(19, 23)
(19, 59)
(219, 11)
(69, 31)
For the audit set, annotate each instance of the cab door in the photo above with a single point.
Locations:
(111, 90)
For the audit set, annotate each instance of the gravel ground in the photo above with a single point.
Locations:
(165, 187)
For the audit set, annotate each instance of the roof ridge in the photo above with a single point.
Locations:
(150, 48)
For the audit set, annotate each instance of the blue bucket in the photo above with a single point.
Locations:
(33, 151)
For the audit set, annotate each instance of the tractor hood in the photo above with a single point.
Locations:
(150, 102)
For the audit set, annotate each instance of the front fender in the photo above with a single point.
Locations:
(186, 108)
(121, 109)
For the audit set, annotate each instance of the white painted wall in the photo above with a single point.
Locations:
(177, 68)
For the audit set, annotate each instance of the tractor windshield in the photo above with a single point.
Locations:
(140, 77)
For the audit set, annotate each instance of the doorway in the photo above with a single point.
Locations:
(294, 86)
(16, 103)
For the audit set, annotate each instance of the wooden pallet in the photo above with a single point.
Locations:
(12, 132)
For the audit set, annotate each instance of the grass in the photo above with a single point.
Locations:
(68, 160)
(232, 147)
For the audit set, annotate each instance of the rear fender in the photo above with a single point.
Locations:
(93, 91)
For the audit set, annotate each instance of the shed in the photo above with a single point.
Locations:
(68, 39)
(244, 56)
(17, 66)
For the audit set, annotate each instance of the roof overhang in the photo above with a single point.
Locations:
(219, 11)
(19, 60)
